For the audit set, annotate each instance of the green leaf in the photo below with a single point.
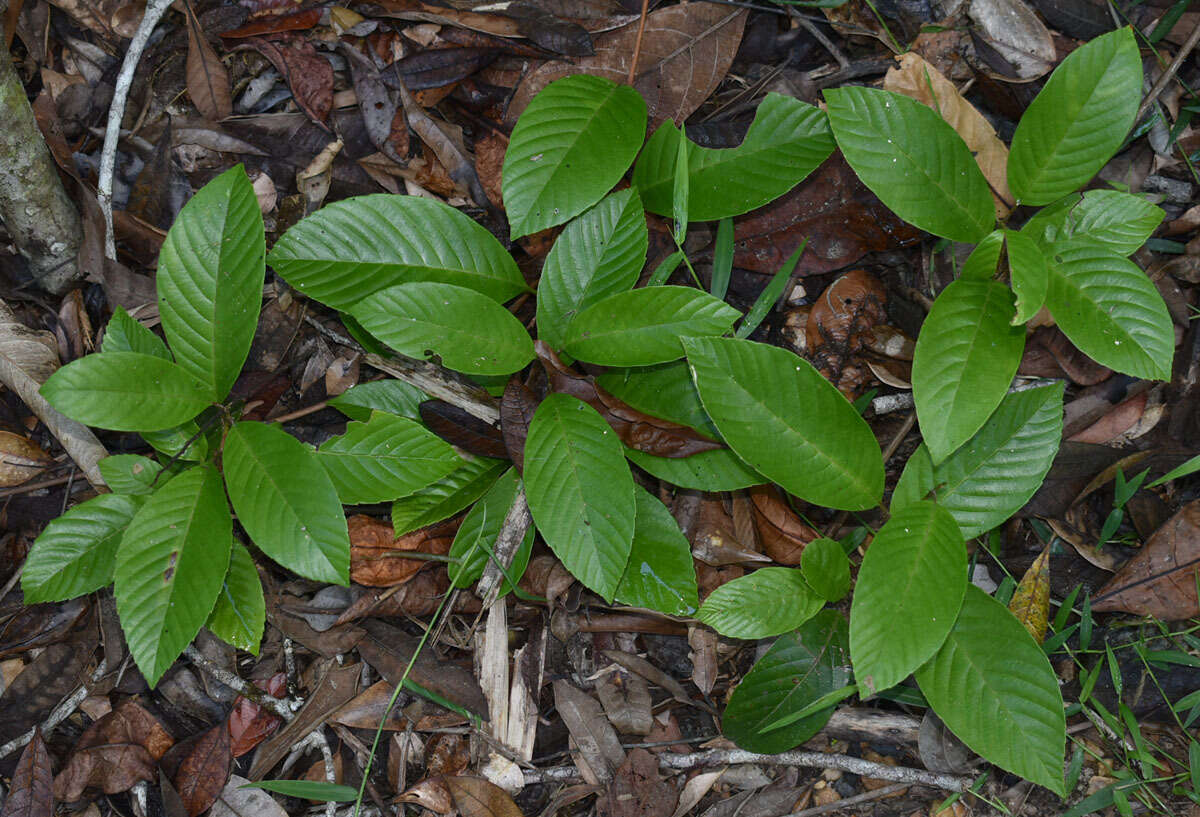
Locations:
(1187, 468)
(717, 470)
(476, 536)
(598, 254)
(307, 789)
(126, 391)
(679, 196)
(571, 145)
(787, 422)
(914, 572)
(74, 555)
(767, 602)
(964, 362)
(390, 396)
(1109, 309)
(771, 293)
(385, 458)
(446, 497)
(286, 502)
(787, 140)
(240, 611)
(982, 262)
(210, 279)
(354, 248)
(470, 332)
(171, 441)
(1119, 221)
(660, 574)
(643, 327)
(723, 250)
(124, 334)
(665, 391)
(998, 470)
(1078, 120)
(580, 491)
(1004, 704)
(1027, 266)
(798, 669)
(169, 568)
(129, 473)
(913, 160)
(826, 568)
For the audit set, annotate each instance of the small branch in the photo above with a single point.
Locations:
(904, 400)
(1167, 75)
(60, 712)
(637, 44)
(434, 381)
(278, 706)
(512, 532)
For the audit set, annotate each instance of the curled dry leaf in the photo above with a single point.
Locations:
(34, 352)
(20, 459)
(1031, 600)
(918, 79)
(840, 324)
(367, 709)
(626, 701)
(377, 556)
(114, 753)
(686, 52)
(309, 75)
(636, 429)
(30, 793)
(1014, 30)
(236, 801)
(782, 532)
(432, 794)
(517, 407)
(1160, 580)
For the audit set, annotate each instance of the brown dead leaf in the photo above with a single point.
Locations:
(516, 412)
(419, 596)
(782, 532)
(365, 710)
(20, 459)
(114, 753)
(376, 555)
(431, 794)
(309, 75)
(489, 159)
(703, 642)
(1123, 416)
(1031, 600)
(600, 752)
(918, 79)
(840, 324)
(462, 429)
(686, 52)
(626, 701)
(638, 790)
(30, 793)
(1013, 30)
(476, 797)
(249, 724)
(33, 351)
(389, 650)
(1160, 580)
(1048, 353)
(207, 79)
(204, 770)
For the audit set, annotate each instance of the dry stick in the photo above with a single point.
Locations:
(155, 9)
(60, 712)
(904, 400)
(280, 707)
(818, 35)
(865, 797)
(637, 44)
(512, 532)
(1167, 75)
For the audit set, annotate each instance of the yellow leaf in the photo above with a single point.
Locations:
(1031, 601)
(918, 79)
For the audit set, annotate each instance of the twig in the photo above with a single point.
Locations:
(836, 805)
(279, 707)
(323, 742)
(904, 400)
(512, 532)
(1167, 75)
(60, 712)
(155, 9)
(819, 35)
(637, 44)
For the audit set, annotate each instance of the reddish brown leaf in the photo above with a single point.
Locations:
(115, 752)
(840, 217)
(476, 797)
(274, 24)
(516, 412)
(447, 754)
(40, 686)
(783, 533)
(308, 74)
(432, 794)
(417, 597)
(30, 794)
(207, 79)
(20, 459)
(638, 790)
(1160, 580)
(367, 708)
(376, 555)
(41, 624)
(204, 770)
(250, 724)
(464, 430)
(840, 325)
(1048, 353)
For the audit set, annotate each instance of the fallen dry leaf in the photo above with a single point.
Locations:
(207, 79)
(638, 790)
(626, 701)
(782, 532)
(476, 797)
(114, 753)
(30, 793)
(1160, 580)
(366, 710)
(377, 556)
(204, 770)
(462, 429)
(516, 412)
(840, 324)
(250, 724)
(309, 75)
(1015, 32)
(600, 752)
(1031, 600)
(236, 801)
(20, 459)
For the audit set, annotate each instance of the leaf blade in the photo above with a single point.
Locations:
(660, 574)
(240, 612)
(737, 609)
(74, 554)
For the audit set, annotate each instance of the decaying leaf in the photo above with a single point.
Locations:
(207, 79)
(462, 429)
(249, 724)
(377, 556)
(600, 752)
(782, 532)
(841, 324)
(308, 74)
(419, 596)
(1160, 580)
(30, 793)
(1048, 353)
(1031, 601)
(703, 642)
(203, 771)
(366, 709)
(33, 351)
(476, 797)
(626, 701)
(389, 650)
(921, 81)
(113, 753)
(1014, 31)
(517, 407)
(638, 790)
(636, 429)
(236, 801)
(20, 459)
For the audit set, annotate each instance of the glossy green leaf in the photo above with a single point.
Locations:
(716, 470)
(723, 250)
(183, 441)
(570, 146)
(240, 612)
(787, 140)
(286, 502)
(1004, 704)
(787, 422)
(1027, 267)
(1078, 120)
(308, 789)
(797, 670)
(914, 572)
(679, 195)
(598, 254)
(470, 332)
(580, 491)
(826, 568)
(1109, 309)
(446, 497)
(129, 473)
(665, 391)
(981, 264)
(210, 278)
(74, 554)
(477, 534)
(660, 574)
(125, 334)
(1119, 221)
(169, 568)
(964, 362)
(126, 391)
(995, 472)
(385, 458)
(913, 160)
(390, 396)
(643, 327)
(767, 602)
(354, 248)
